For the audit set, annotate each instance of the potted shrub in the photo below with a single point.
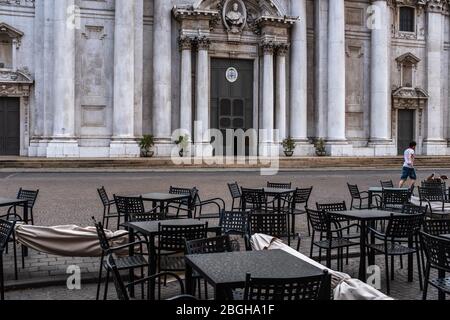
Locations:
(146, 144)
(320, 148)
(289, 147)
(183, 143)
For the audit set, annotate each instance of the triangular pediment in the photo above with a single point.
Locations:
(12, 32)
(408, 59)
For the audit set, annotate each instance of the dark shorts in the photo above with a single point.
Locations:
(409, 173)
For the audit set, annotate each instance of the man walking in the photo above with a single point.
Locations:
(408, 166)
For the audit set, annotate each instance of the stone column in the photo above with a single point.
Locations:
(186, 85)
(201, 138)
(280, 105)
(123, 143)
(299, 86)
(64, 143)
(321, 68)
(434, 143)
(267, 137)
(162, 77)
(336, 78)
(380, 104)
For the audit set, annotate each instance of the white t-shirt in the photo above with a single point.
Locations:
(409, 158)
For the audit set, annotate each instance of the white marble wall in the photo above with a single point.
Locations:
(94, 76)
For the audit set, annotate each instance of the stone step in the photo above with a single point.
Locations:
(167, 163)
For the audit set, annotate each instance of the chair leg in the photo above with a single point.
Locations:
(16, 274)
(23, 257)
(105, 294)
(2, 281)
(99, 283)
(419, 266)
(425, 287)
(392, 268)
(312, 246)
(206, 290)
(386, 261)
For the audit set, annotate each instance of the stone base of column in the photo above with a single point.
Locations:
(269, 149)
(304, 149)
(339, 149)
(435, 148)
(38, 148)
(164, 147)
(63, 148)
(124, 148)
(383, 148)
(202, 150)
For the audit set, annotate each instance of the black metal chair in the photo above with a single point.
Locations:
(298, 204)
(272, 224)
(256, 200)
(387, 184)
(358, 196)
(437, 227)
(121, 287)
(182, 207)
(330, 236)
(31, 197)
(133, 209)
(6, 231)
(107, 203)
(234, 222)
(339, 207)
(137, 261)
(394, 199)
(285, 289)
(437, 252)
(236, 195)
(398, 229)
(433, 194)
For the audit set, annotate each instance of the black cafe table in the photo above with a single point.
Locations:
(227, 271)
(368, 218)
(5, 202)
(150, 229)
(162, 199)
(379, 191)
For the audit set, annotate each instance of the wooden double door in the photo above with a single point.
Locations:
(9, 126)
(232, 97)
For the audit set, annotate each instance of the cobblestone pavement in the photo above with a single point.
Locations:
(67, 198)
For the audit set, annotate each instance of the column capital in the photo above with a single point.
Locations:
(268, 47)
(185, 43)
(437, 6)
(203, 43)
(282, 49)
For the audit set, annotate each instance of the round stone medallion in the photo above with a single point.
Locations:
(232, 75)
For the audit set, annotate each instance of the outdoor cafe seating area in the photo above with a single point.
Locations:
(248, 246)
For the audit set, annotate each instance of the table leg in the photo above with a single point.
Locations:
(189, 281)
(441, 294)
(372, 241)
(410, 262)
(362, 259)
(25, 219)
(370, 199)
(152, 262)
(131, 239)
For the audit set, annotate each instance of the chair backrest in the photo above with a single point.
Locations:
(354, 191)
(437, 227)
(437, 251)
(102, 238)
(301, 196)
(235, 191)
(6, 230)
(283, 289)
(404, 226)
(387, 184)
(234, 222)
(272, 224)
(256, 198)
(332, 207)
(209, 245)
(395, 197)
(134, 210)
(192, 192)
(103, 196)
(410, 208)
(319, 220)
(173, 238)
(121, 290)
(29, 195)
(278, 185)
(431, 194)
(434, 183)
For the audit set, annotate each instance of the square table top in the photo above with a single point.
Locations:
(151, 227)
(278, 191)
(159, 196)
(366, 214)
(9, 202)
(231, 268)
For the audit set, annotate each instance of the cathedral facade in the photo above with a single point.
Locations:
(89, 78)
